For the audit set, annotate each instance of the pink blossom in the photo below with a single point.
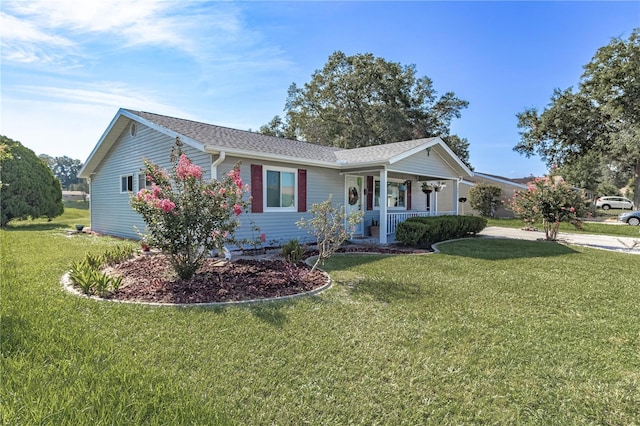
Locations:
(167, 205)
(263, 238)
(237, 209)
(222, 190)
(572, 209)
(235, 176)
(187, 169)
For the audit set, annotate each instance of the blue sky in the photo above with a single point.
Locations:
(67, 66)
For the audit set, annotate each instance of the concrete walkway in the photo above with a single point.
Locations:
(603, 242)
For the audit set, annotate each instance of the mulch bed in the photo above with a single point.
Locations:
(150, 278)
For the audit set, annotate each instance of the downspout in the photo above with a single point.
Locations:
(90, 202)
(215, 163)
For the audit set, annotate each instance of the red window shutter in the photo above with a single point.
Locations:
(302, 190)
(408, 195)
(369, 192)
(256, 188)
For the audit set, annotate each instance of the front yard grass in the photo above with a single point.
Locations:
(487, 331)
(596, 228)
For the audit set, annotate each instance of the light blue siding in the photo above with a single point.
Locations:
(424, 165)
(111, 212)
(279, 227)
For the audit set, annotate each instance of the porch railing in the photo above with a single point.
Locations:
(393, 219)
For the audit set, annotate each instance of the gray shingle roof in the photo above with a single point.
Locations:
(218, 137)
(255, 145)
(379, 152)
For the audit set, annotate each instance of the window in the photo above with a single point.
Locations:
(280, 189)
(396, 195)
(142, 182)
(126, 183)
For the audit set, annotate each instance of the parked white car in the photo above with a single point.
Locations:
(606, 203)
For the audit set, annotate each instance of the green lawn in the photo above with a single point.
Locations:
(487, 331)
(622, 230)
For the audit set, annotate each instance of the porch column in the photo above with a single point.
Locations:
(383, 206)
(456, 191)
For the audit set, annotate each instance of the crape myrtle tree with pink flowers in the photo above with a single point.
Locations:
(552, 201)
(187, 217)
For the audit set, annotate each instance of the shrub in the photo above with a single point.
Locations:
(292, 251)
(424, 231)
(327, 225)
(186, 217)
(551, 200)
(484, 198)
(410, 233)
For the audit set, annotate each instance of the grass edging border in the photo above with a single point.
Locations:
(68, 286)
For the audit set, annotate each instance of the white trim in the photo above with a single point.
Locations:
(383, 207)
(265, 208)
(498, 179)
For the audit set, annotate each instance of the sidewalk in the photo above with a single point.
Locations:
(603, 242)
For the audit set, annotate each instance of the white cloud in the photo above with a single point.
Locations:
(192, 27)
(111, 95)
(69, 120)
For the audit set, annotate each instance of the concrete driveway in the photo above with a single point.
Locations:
(603, 242)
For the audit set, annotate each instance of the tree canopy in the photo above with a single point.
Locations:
(599, 122)
(362, 100)
(64, 168)
(28, 187)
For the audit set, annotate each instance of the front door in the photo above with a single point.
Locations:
(353, 200)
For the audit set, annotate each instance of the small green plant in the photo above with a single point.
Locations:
(82, 275)
(101, 284)
(327, 225)
(118, 254)
(292, 251)
(257, 240)
(87, 276)
(94, 261)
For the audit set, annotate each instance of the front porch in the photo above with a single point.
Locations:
(392, 185)
(393, 219)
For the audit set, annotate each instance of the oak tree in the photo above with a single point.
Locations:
(362, 100)
(600, 119)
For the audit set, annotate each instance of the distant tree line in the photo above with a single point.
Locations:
(66, 170)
